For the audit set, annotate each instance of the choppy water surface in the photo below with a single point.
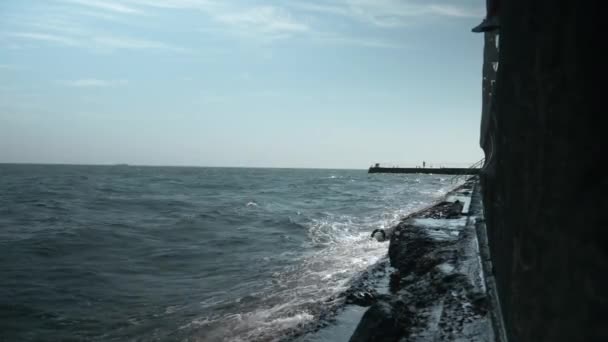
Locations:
(198, 254)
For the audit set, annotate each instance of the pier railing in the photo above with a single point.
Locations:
(478, 165)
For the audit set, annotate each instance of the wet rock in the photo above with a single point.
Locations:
(455, 210)
(383, 321)
(362, 290)
(438, 211)
(394, 281)
(444, 210)
(454, 278)
(424, 298)
(361, 297)
(426, 264)
(480, 303)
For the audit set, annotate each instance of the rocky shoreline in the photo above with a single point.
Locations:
(437, 290)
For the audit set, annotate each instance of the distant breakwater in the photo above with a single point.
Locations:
(439, 171)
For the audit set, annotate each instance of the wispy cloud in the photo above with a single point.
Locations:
(312, 20)
(204, 5)
(388, 13)
(107, 6)
(325, 8)
(270, 23)
(264, 18)
(67, 28)
(368, 42)
(92, 13)
(258, 21)
(44, 37)
(93, 42)
(115, 43)
(454, 11)
(92, 83)
(9, 67)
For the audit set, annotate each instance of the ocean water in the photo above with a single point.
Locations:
(127, 253)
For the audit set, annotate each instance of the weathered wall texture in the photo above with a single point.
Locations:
(545, 192)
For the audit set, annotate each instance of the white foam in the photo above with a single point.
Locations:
(300, 291)
(345, 325)
(342, 248)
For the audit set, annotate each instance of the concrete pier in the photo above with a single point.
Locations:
(437, 171)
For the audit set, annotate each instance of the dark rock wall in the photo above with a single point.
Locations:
(545, 192)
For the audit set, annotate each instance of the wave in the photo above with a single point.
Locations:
(304, 295)
(236, 255)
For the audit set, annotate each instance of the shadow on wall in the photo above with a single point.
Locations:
(543, 188)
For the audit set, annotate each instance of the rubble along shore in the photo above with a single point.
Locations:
(437, 289)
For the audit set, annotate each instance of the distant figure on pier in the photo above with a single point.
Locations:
(491, 21)
(423, 164)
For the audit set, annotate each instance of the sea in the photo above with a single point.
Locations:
(134, 253)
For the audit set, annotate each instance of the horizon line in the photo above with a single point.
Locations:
(184, 166)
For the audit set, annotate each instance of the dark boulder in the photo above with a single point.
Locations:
(361, 297)
(382, 322)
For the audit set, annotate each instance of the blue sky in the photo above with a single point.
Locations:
(331, 84)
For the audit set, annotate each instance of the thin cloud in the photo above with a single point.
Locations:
(334, 9)
(454, 11)
(203, 5)
(266, 22)
(69, 29)
(9, 67)
(44, 37)
(107, 6)
(92, 83)
(98, 42)
(265, 18)
(388, 13)
(338, 39)
(101, 15)
(116, 43)
(58, 26)
(270, 23)
(312, 21)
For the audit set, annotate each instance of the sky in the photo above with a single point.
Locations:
(246, 83)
